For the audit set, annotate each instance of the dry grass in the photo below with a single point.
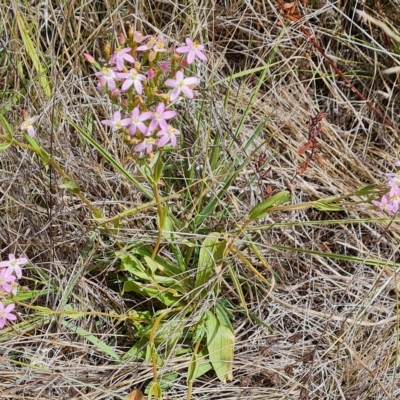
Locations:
(327, 328)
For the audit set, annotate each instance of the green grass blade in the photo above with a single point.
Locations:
(92, 339)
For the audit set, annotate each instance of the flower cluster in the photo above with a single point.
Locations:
(9, 272)
(142, 77)
(390, 201)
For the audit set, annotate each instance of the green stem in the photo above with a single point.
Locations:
(160, 211)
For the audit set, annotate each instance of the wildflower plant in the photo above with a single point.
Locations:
(10, 270)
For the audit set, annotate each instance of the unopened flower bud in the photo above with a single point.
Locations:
(150, 73)
(89, 58)
(121, 38)
(175, 57)
(131, 32)
(152, 56)
(107, 51)
(115, 93)
(164, 65)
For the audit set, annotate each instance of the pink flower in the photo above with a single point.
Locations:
(120, 55)
(27, 125)
(168, 136)
(14, 265)
(5, 314)
(5, 280)
(385, 204)
(160, 45)
(160, 118)
(138, 37)
(107, 76)
(117, 122)
(181, 84)
(137, 121)
(146, 145)
(152, 41)
(132, 78)
(193, 49)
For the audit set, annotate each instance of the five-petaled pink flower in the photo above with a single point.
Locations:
(160, 118)
(193, 49)
(384, 204)
(27, 125)
(168, 136)
(5, 314)
(107, 76)
(137, 121)
(146, 145)
(5, 281)
(14, 265)
(181, 84)
(120, 56)
(117, 122)
(132, 78)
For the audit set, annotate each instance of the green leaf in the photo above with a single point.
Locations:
(238, 287)
(4, 146)
(160, 293)
(263, 209)
(220, 344)
(328, 205)
(71, 187)
(158, 169)
(153, 265)
(223, 315)
(151, 352)
(199, 365)
(365, 190)
(93, 339)
(165, 381)
(33, 52)
(137, 352)
(71, 313)
(6, 126)
(40, 151)
(210, 258)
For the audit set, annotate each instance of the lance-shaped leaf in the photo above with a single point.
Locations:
(263, 209)
(220, 344)
(210, 258)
